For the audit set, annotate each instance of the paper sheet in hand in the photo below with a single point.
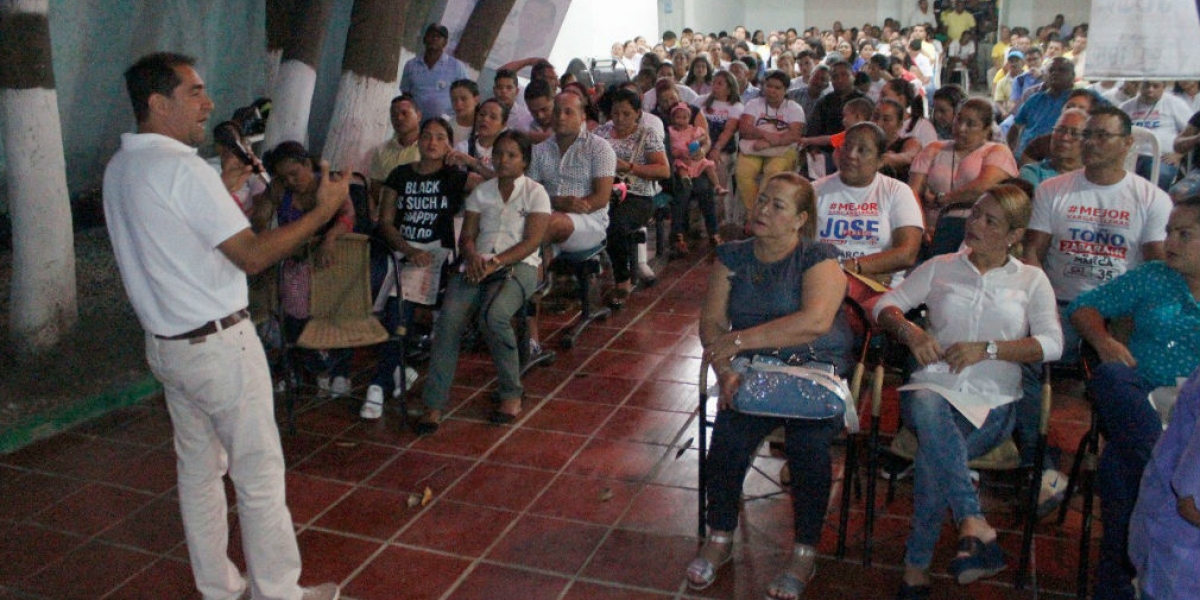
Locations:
(938, 378)
(421, 284)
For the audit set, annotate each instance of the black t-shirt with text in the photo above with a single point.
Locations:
(426, 204)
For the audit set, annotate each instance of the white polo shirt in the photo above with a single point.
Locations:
(167, 212)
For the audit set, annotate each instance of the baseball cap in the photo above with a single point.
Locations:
(1015, 54)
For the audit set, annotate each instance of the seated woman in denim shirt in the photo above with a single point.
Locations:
(988, 313)
(776, 293)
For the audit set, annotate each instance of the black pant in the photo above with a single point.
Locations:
(702, 192)
(624, 218)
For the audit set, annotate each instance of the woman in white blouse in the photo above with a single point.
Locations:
(988, 313)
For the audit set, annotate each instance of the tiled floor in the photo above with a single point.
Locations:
(590, 496)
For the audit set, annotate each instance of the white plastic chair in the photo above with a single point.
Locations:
(1144, 143)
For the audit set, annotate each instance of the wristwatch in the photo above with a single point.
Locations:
(993, 350)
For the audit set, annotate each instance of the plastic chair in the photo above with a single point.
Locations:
(1142, 139)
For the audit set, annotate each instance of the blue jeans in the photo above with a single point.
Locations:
(1131, 427)
(1166, 173)
(737, 436)
(947, 440)
(496, 305)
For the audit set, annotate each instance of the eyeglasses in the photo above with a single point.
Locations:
(1068, 132)
(1100, 135)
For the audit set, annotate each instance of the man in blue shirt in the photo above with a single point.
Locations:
(428, 77)
(1039, 113)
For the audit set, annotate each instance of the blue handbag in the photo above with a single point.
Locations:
(772, 388)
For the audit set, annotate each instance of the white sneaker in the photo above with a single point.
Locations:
(1054, 489)
(325, 591)
(410, 377)
(373, 408)
(324, 388)
(644, 272)
(340, 387)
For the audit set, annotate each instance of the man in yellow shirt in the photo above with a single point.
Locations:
(957, 21)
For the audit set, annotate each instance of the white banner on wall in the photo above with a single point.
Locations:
(1143, 39)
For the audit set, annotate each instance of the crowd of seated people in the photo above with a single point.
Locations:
(750, 119)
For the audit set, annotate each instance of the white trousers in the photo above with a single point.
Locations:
(219, 395)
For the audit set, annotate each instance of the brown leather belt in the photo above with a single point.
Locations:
(210, 327)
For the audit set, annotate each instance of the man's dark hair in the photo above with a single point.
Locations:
(538, 88)
(505, 74)
(524, 144)
(669, 35)
(539, 69)
(153, 74)
(467, 84)
(1112, 111)
(881, 60)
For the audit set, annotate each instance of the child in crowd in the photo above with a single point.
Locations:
(686, 138)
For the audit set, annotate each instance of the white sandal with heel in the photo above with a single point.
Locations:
(701, 573)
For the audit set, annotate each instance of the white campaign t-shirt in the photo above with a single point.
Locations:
(770, 119)
(1166, 118)
(859, 221)
(1097, 231)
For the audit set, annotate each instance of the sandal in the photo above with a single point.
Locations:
(701, 573)
(501, 417)
(786, 585)
(679, 247)
(427, 425)
(616, 300)
(976, 560)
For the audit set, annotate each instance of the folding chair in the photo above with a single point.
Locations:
(1004, 457)
(340, 309)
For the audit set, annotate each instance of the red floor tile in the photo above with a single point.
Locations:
(155, 472)
(308, 496)
(689, 346)
(667, 322)
(88, 572)
(588, 499)
(642, 559)
(24, 494)
(568, 416)
(599, 388)
(156, 528)
(347, 461)
(628, 461)
(582, 590)
(461, 438)
(494, 582)
(331, 557)
(300, 445)
(412, 573)
(684, 369)
(500, 486)
(548, 544)
(663, 510)
(622, 365)
(650, 342)
(537, 449)
(27, 549)
(329, 418)
(457, 528)
(377, 514)
(648, 426)
(665, 395)
(413, 471)
(93, 508)
(166, 578)
(543, 380)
